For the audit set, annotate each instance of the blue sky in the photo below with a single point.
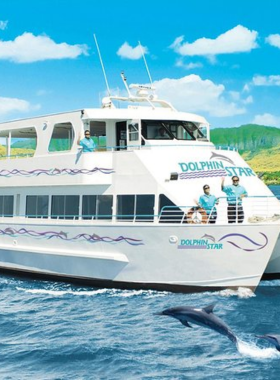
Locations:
(219, 59)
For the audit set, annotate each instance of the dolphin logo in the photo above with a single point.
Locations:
(210, 237)
(216, 156)
(274, 339)
(203, 317)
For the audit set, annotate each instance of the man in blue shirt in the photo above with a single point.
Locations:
(235, 194)
(87, 143)
(208, 202)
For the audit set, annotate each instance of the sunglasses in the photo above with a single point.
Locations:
(87, 134)
(235, 180)
(206, 188)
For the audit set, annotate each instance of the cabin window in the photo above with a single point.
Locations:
(6, 205)
(125, 207)
(138, 207)
(98, 133)
(62, 137)
(168, 211)
(65, 206)
(133, 131)
(37, 206)
(145, 207)
(97, 206)
(169, 129)
(18, 143)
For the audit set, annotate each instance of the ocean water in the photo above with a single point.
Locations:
(52, 330)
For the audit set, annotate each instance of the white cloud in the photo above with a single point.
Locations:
(29, 48)
(267, 119)
(246, 88)
(128, 52)
(193, 94)
(188, 66)
(248, 100)
(236, 40)
(43, 92)
(3, 25)
(8, 105)
(273, 40)
(271, 80)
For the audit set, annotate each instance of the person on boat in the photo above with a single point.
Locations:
(235, 194)
(87, 143)
(162, 134)
(208, 202)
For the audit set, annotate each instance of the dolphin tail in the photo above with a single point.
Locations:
(232, 337)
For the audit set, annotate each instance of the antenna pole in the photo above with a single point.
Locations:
(143, 55)
(103, 69)
(125, 83)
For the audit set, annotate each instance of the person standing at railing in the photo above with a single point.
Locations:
(208, 202)
(87, 143)
(235, 194)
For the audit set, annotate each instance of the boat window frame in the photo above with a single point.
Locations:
(189, 126)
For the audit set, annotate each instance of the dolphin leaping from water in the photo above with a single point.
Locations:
(203, 317)
(272, 338)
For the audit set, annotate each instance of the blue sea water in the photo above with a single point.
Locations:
(57, 331)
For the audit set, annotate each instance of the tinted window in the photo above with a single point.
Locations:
(62, 137)
(65, 206)
(6, 205)
(37, 206)
(125, 207)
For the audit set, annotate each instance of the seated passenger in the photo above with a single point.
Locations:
(162, 134)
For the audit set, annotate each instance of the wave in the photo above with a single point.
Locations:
(240, 293)
(110, 292)
(251, 350)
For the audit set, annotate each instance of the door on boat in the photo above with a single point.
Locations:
(121, 135)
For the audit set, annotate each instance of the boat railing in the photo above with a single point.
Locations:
(226, 147)
(256, 209)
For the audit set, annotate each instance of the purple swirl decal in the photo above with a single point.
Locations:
(254, 243)
(53, 172)
(64, 236)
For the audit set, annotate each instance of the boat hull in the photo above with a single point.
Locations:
(140, 256)
(272, 270)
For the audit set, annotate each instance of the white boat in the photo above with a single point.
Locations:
(123, 216)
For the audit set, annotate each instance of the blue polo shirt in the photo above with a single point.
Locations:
(208, 202)
(88, 145)
(233, 194)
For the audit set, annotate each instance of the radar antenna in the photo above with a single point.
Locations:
(101, 62)
(146, 65)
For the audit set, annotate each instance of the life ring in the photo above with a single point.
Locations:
(196, 215)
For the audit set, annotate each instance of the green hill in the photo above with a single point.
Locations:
(247, 138)
(259, 145)
(25, 144)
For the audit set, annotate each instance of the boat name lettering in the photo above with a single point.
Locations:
(199, 244)
(215, 166)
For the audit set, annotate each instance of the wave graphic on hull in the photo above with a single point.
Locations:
(246, 239)
(64, 236)
(203, 174)
(53, 172)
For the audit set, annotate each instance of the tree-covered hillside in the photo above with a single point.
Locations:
(247, 138)
(259, 146)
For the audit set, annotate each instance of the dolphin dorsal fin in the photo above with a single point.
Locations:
(209, 309)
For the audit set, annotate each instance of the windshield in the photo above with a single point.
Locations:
(169, 130)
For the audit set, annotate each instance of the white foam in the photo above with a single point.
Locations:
(63, 292)
(240, 293)
(132, 293)
(110, 292)
(252, 351)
